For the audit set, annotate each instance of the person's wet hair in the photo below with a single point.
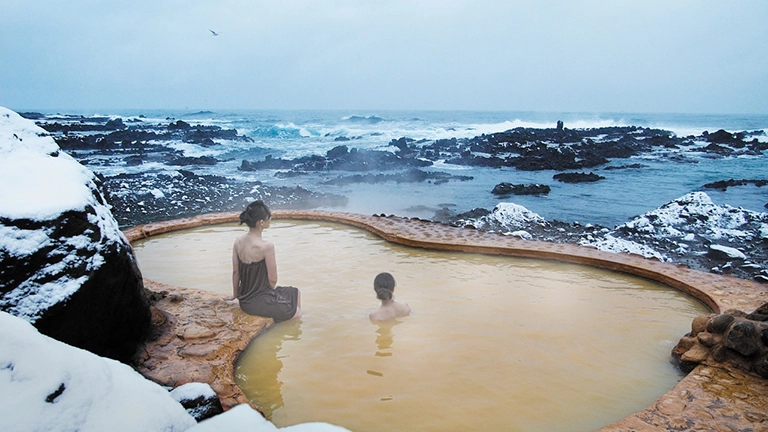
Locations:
(384, 285)
(255, 212)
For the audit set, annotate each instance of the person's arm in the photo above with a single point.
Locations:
(271, 261)
(235, 272)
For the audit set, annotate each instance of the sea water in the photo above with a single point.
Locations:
(624, 193)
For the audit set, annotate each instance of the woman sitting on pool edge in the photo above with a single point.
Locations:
(254, 270)
(384, 285)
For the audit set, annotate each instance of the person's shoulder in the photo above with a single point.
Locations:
(375, 315)
(380, 314)
(403, 308)
(267, 246)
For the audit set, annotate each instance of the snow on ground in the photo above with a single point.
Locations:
(243, 418)
(609, 243)
(48, 385)
(51, 386)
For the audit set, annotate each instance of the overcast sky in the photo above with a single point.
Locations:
(690, 56)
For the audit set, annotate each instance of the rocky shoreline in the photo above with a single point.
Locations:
(696, 236)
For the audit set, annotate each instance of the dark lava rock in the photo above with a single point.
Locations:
(520, 189)
(202, 404)
(578, 177)
(725, 184)
(621, 167)
(341, 158)
(410, 176)
(719, 323)
(150, 197)
(107, 314)
(742, 338)
(188, 160)
(69, 272)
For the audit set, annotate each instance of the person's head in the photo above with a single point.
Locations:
(384, 285)
(255, 212)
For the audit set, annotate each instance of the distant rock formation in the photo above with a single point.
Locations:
(65, 267)
(733, 337)
(725, 184)
(578, 177)
(504, 188)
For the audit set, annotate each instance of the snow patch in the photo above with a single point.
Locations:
(48, 385)
(729, 251)
(192, 391)
(610, 243)
(39, 180)
(245, 418)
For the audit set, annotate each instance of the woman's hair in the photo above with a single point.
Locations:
(255, 212)
(384, 285)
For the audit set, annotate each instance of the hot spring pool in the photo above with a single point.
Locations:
(494, 343)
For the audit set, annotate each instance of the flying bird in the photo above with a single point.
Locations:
(213, 32)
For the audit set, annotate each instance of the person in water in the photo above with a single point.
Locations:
(384, 285)
(254, 270)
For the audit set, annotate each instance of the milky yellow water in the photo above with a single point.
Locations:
(493, 344)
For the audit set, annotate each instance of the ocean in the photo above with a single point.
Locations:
(624, 193)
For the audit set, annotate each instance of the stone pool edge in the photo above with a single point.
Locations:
(203, 335)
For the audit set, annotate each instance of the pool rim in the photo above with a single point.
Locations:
(717, 292)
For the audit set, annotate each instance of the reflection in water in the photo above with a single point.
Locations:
(384, 342)
(385, 338)
(267, 375)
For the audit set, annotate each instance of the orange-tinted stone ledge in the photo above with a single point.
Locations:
(204, 335)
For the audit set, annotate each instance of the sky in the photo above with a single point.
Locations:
(653, 56)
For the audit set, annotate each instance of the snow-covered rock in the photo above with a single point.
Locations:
(691, 226)
(726, 252)
(690, 230)
(46, 385)
(199, 399)
(65, 266)
(509, 217)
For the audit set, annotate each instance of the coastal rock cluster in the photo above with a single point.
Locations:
(733, 337)
(526, 149)
(150, 197)
(183, 189)
(690, 230)
(65, 266)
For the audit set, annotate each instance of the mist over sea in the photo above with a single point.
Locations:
(664, 176)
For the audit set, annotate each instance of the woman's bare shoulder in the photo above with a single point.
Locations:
(403, 308)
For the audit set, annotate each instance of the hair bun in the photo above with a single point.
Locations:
(383, 293)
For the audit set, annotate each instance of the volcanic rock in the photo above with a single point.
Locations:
(578, 177)
(731, 338)
(65, 266)
(520, 189)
